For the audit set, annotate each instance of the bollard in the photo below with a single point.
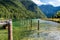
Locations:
(38, 24)
(31, 24)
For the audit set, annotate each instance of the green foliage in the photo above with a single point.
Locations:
(15, 9)
(57, 15)
(3, 34)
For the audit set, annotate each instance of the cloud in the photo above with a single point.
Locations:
(38, 2)
(45, 2)
(54, 3)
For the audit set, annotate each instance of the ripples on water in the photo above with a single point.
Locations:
(49, 31)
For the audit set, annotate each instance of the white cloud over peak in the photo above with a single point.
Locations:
(54, 3)
(45, 2)
(38, 2)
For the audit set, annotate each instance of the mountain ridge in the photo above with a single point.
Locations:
(49, 10)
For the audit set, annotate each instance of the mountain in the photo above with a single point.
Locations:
(49, 10)
(19, 9)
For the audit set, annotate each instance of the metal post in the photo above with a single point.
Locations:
(31, 24)
(10, 30)
(38, 24)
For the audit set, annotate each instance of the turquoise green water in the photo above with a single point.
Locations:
(48, 30)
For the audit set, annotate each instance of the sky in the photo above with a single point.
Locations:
(45, 2)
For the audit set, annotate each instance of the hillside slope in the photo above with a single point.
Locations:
(16, 9)
(49, 10)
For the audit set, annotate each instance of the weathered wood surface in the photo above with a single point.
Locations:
(9, 24)
(10, 30)
(2, 22)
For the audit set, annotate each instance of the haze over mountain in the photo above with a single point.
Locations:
(19, 9)
(49, 10)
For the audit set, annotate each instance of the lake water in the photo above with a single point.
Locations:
(48, 31)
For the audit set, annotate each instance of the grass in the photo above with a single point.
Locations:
(20, 33)
(54, 19)
(3, 35)
(21, 29)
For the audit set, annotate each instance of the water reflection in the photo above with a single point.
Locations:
(38, 35)
(47, 31)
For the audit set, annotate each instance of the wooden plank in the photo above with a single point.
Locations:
(2, 23)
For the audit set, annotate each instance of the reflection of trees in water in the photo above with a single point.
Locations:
(48, 31)
(38, 34)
